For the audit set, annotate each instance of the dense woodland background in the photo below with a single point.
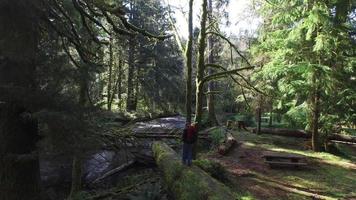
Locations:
(72, 70)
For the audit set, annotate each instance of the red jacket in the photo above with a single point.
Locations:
(190, 135)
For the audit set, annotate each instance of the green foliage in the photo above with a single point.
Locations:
(306, 42)
(296, 116)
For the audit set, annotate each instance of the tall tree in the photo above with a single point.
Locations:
(189, 65)
(211, 121)
(298, 48)
(201, 64)
(19, 171)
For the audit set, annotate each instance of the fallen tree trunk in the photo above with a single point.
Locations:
(305, 134)
(114, 171)
(187, 182)
(284, 132)
(229, 142)
(157, 136)
(342, 138)
(149, 118)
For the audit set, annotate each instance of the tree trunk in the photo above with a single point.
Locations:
(130, 85)
(259, 113)
(77, 167)
(200, 73)
(19, 178)
(77, 162)
(212, 121)
(119, 87)
(189, 61)
(201, 65)
(270, 123)
(109, 88)
(316, 143)
(137, 87)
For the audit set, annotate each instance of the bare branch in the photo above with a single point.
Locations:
(231, 44)
(222, 74)
(230, 74)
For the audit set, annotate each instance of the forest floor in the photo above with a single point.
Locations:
(326, 176)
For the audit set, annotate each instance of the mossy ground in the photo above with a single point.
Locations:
(332, 176)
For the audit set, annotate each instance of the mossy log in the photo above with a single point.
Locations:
(229, 142)
(187, 183)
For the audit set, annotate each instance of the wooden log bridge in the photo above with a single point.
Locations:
(187, 183)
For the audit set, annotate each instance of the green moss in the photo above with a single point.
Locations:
(187, 183)
(215, 169)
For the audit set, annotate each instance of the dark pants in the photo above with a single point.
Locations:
(187, 154)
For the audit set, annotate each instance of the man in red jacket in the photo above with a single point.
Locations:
(189, 138)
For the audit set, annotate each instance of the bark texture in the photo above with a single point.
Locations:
(189, 62)
(201, 64)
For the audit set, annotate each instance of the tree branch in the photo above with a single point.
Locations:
(243, 78)
(130, 26)
(231, 44)
(221, 74)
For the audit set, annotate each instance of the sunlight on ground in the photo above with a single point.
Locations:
(327, 175)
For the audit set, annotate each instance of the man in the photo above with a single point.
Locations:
(189, 138)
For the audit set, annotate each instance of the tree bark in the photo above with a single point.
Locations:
(130, 76)
(119, 87)
(212, 121)
(130, 101)
(189, 62)
(201, 65)
(77, 168)
(270, 122)
(19, 178)
(259, 113)
(316, 144)
(109, 88)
